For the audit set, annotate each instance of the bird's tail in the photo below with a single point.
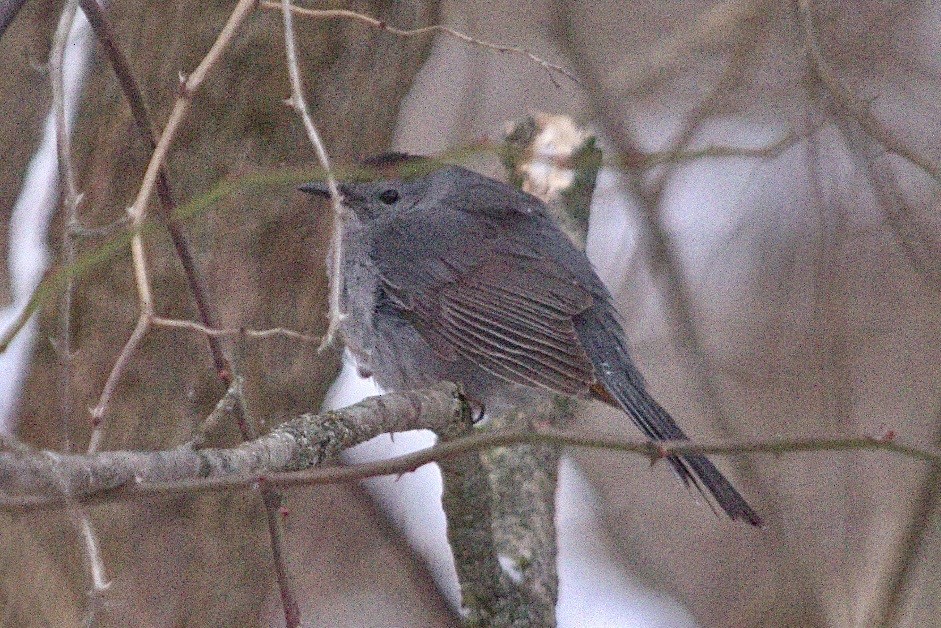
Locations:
(622, 385)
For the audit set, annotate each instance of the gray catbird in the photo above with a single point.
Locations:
(450, 275)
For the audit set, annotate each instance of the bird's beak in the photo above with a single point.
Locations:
(316, 188)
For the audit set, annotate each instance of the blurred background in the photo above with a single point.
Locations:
(791, 173)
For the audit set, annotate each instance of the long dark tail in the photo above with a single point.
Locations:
(603, 339)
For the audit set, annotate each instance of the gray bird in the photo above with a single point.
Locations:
(454, 276)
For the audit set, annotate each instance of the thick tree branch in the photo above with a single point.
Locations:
(303, 442)
(27, 482)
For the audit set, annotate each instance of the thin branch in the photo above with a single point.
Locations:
(852, 105)
(142, 118)
(225, 405)
(895, 591)
(272, 501)
(158, 321)
(663, 256)
(138, 210)
(335, 267)
(867, 145)
(70, 202)
(81, 231)
(718, 151)
(335, 314)
(311, 440)
(274, 518)
(132, 93)
(188, 87)
(550, 68)
(98, 412)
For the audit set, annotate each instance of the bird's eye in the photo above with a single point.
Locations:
(389, 196)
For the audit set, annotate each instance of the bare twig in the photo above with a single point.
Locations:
(98, 412)
(852, 105)
(158, 321)
(71, 200)
(272, 500)
(122, 69)
(663, 254)
(311, 440)
(550, 68)
(225, 405)
(138, 210)
(167, 204)
(273, 512)
(890, 605)
(923, 254)
(868, 140)
(335, 265)
(82, 231)
(769, 151)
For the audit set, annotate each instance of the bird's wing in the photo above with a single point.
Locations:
(512, 317)
(487, 298)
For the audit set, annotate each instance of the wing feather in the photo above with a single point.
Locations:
(512, 316)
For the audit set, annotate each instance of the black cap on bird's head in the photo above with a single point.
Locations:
(391, 165)
(379, 184)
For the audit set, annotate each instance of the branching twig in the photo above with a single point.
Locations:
(138, 209)
(297, 101)
(225, 405)
(852, 105)
(98, 412)
(769, 151)
(122, 69)
(81, 231)
(550, 68)
(663, 254)
(868, 140)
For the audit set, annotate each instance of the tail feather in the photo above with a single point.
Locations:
(622, 385)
